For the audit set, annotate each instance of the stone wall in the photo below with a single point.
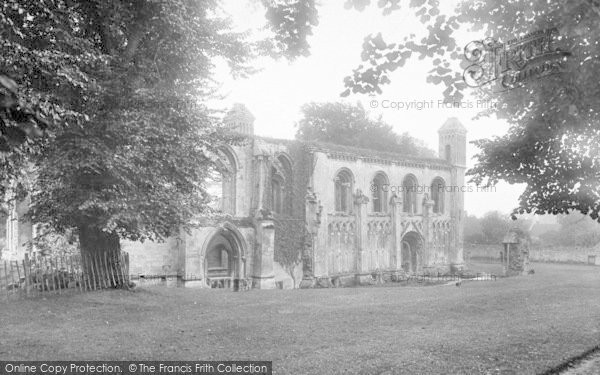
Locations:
(153, 259)
(564, 254)
(342, 235)
(560, 254)
(363, 171)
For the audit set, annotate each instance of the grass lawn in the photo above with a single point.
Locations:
(517, 325)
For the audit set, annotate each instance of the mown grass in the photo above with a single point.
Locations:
(517, 325)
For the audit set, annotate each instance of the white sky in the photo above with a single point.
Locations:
(275, 94)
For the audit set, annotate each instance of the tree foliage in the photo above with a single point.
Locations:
(575, 230)
(292, 22)
(123, 82)
(350, 125)
(552, 143)
(492, 227)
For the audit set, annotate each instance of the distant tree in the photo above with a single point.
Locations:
(350, 125)
(575, 230)
(494, 227)
(552, 143)
(473, 232)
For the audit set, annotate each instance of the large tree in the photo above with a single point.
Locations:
(349, 125)
(123, 82)
(552, 143)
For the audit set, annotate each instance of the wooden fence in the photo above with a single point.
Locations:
(56, 274)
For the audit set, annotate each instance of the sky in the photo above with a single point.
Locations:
(276, 93)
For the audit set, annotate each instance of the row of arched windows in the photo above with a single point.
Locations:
(380, 189)
(281, 189)
(281, 184)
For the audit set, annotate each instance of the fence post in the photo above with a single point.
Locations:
(84, 277)
(110, 266)
(118, 269)
(99, 271)
(57, 268)
(18, 275)
(95, 271)
(108, 269)
(12, 278)
(54, 279)
(123, 266)
(76, 274)
(26, 278)
(86, 270)
(6, 278)
(102, 270)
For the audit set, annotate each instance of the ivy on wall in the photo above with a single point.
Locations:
(291, 234)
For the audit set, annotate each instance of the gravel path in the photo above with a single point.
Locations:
(589, 366)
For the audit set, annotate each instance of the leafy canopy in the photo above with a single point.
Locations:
(123, 82)
(350, 125)
(552, 143)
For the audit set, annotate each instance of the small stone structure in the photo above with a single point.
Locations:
(515, 256)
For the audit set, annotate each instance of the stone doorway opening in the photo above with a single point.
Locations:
(411, 247)
(222, 260)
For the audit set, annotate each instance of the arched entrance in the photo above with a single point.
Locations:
(411, 249)
(224, 258)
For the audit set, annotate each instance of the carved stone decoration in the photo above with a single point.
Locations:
(360, 198)
(396, 201)
(319, 213)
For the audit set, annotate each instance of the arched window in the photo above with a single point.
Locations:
(220, 185)
(409, 187)
(448, 153)
(437, 195)
(379, 187)
(228, 184)
(343, 191)
(281, 186)
(277, 193)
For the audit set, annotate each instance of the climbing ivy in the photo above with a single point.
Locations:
(291, 233)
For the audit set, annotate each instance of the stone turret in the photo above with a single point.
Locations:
(453, 148)
(453, 142)
(239, 119)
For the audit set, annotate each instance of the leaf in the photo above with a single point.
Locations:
(8, 84)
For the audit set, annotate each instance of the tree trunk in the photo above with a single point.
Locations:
(101, 258)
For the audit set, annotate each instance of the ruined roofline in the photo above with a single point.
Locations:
(359, 152)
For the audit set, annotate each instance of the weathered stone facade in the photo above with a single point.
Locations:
(347, 214)
(363, 212)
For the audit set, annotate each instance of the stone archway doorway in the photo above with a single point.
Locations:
(223, 262)
(411, 247)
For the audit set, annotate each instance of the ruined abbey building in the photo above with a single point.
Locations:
(324, 213)
(347, 213)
